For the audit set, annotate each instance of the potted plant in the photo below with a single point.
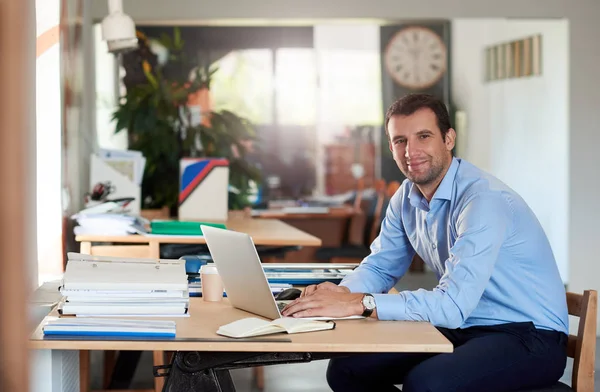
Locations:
(156, 113)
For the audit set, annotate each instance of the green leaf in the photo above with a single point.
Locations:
(177, 42)
(166, 41)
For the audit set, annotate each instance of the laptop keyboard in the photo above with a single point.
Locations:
(281, 305)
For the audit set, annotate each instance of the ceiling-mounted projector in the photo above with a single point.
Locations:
(118, 29)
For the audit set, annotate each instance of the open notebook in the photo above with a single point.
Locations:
(252, 326)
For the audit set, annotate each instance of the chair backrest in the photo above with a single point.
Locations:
(392, 187)
(384, 194)
(582, 348)
(363, 223)
(245, 213)
(378, 211)
(360, 188)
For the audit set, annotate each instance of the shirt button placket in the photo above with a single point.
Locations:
(430, 233)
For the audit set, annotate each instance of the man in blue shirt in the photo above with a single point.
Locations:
(500, 299)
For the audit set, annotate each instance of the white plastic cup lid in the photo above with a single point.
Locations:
(209, 269)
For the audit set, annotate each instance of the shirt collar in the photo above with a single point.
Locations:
(444, 190)
(415, 197)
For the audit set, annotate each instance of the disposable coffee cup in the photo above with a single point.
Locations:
(212, 285)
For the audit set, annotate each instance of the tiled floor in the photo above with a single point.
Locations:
(309, 377)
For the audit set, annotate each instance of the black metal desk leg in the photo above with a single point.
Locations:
(209, 371)
(189, 372)
(205, 381)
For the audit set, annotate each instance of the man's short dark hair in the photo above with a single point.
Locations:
(412, 103)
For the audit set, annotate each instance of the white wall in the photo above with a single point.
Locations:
(469, 36)
(49, 147)
(518, 128)
(46, 222)
(106, 93)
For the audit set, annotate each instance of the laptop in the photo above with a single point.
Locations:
(242, 273)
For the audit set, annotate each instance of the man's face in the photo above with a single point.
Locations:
(418, 148)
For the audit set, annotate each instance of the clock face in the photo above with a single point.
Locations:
(415, 58)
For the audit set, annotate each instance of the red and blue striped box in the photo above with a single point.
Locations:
(203, 189)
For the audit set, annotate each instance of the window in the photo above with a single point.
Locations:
(243, 84)
(350, 90)
(296, 86)
(268, 87)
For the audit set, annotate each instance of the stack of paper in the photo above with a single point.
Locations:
(108, 286)
(110, 327)
(307, 276)
(108, 224)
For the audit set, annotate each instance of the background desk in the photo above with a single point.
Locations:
(331, 227)
(270, 232)
(198, 333)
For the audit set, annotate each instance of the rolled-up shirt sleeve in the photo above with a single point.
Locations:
(390, 257)
(482, 226)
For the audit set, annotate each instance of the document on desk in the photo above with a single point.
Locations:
(305, 276)
(252, 326)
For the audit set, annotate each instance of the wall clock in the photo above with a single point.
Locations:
(415, 57)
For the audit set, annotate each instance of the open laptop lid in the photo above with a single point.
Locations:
(242, 273)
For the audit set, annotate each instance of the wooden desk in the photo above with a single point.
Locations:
(271, 232)
(217, 354)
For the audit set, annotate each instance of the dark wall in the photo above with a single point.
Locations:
(206, 44)
(237, 37)
(392, 91)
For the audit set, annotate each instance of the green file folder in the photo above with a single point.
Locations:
(180, 227)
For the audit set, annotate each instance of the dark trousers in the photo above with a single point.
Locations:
(506, 357)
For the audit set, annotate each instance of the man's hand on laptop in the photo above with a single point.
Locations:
(325, 302)
(324, 286)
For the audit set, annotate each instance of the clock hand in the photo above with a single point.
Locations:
(415, 53)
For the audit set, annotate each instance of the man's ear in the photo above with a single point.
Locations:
(450, 139)
(390, 145)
